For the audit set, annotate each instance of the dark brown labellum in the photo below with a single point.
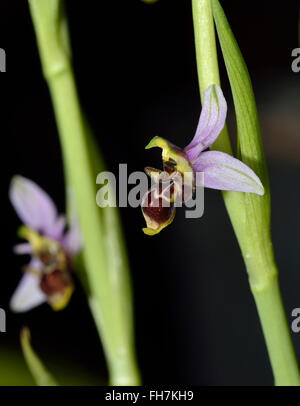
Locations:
(153, 209)
(158, 203)
(55, 282)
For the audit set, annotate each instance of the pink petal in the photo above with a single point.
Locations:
(223, 172)
(35, 264)
(28, 294)
(22, 249)
(56, 230)
(211, 122)
(72, 242)
(33, 205)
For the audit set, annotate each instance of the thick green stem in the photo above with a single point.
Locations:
(108, 284)
(207, 59)
(104, 302)
(276, 333)
(259, 258)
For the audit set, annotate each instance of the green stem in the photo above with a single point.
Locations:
(207, 59)
(108, 285)
(103, 299)
(259, 260)
(40, 374)
(276, 332)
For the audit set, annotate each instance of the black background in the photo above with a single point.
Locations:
(196, 322)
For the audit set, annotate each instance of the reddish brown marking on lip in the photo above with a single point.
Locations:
(54, 282)
(152, 205)
(159, 214)
(158, 205)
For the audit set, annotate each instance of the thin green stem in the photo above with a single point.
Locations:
(259, 258)
(207, 59)
(276, 332)
(39, 372)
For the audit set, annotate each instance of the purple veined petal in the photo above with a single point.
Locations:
(211, 122)
(22, 249)
(224, 172)
(34, 207)
(27, 294)
(72, 242)
(56, 230)
(35, 265)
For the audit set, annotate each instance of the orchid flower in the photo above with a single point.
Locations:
(47, 276)
(221, 171)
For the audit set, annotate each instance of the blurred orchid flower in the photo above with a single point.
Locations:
(221, 171)
(47, 277)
